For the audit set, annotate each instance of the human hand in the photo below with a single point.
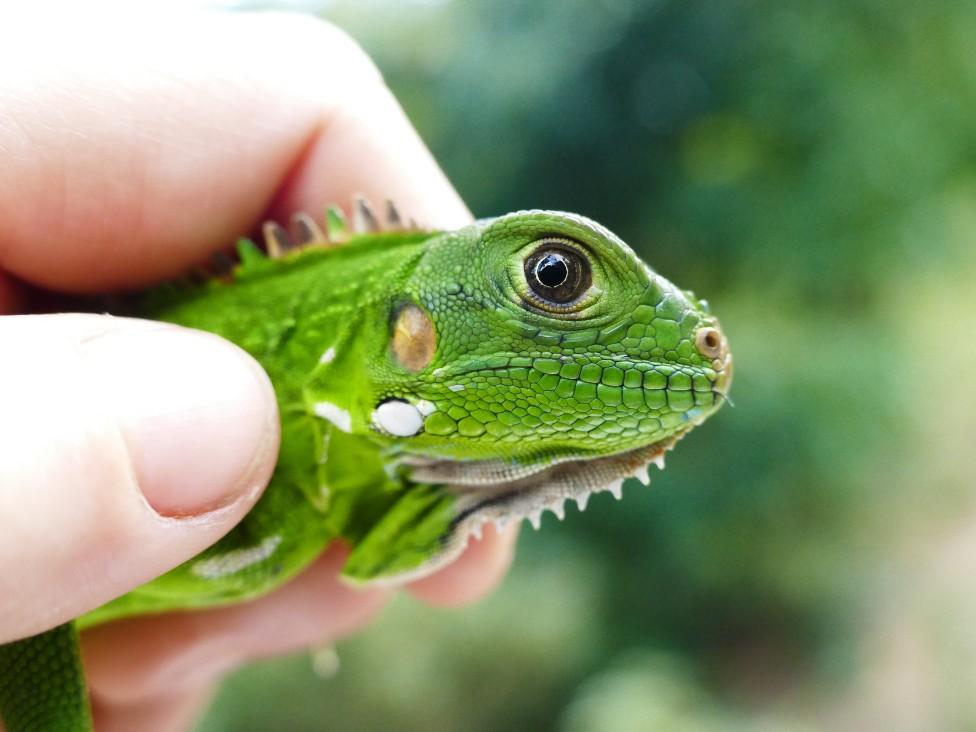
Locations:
(126, 447)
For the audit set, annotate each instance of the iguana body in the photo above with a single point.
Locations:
(427, 382)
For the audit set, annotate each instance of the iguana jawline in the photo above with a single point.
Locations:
(542, 488)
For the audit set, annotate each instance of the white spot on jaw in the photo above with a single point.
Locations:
(456, 387)
(426, 408)
(336, 415)
(328, 356)
(236, 560)
(397, 418)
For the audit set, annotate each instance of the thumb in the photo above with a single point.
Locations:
(126, 447)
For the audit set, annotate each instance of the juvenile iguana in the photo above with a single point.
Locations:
(428, 382)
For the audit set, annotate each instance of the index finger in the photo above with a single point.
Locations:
(130, 156)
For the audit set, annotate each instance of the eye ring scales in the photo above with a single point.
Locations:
(557, 274)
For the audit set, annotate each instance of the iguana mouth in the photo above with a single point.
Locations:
(530, 494)
(502, 493)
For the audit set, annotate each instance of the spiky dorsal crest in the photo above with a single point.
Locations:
(305, 232)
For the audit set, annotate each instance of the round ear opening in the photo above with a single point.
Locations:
(414, 340)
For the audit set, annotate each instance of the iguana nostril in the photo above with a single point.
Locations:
(708, 341)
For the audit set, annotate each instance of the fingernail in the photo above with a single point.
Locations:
(197, 414)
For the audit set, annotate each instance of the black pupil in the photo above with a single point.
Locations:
(557, 275)
(552, 270)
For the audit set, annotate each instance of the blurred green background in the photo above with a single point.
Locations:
(808, 559)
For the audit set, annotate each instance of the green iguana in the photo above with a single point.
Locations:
(428, 382)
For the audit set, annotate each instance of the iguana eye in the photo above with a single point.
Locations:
(557, 274)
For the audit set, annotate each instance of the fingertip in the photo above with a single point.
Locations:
(474, 575)
(197, 413)
(370, 148)
(305, 124)
(109, 423)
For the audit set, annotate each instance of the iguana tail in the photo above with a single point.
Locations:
(42, 684)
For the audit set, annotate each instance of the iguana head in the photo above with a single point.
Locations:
(533, 358)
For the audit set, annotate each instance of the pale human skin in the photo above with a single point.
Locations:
(126, 158)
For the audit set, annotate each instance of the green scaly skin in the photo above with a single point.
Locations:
(510, 404)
